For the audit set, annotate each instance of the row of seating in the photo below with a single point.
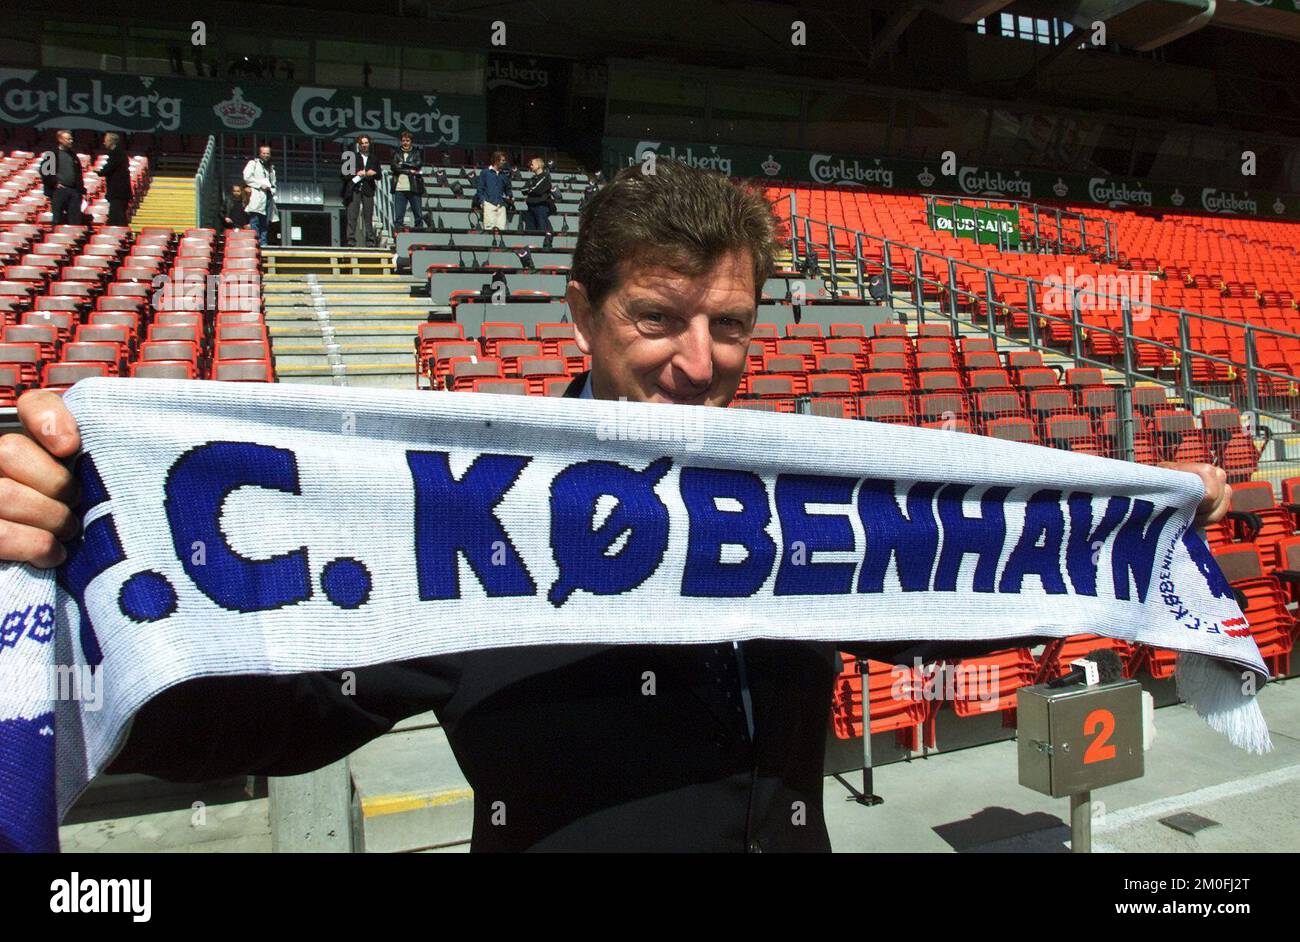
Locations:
(109, 302)
(903, 700)
(1245, 271)
(22, 194)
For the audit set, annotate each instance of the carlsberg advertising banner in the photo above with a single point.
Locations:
(895, 173)
(49, 98)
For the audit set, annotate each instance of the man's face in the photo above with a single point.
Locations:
(364, 145)
(264, 152)
(536, 165)
(65, 139)
(108, 142)
(661, 336)
(406, 142)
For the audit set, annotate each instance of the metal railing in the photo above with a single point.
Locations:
(384, 206)
(206, 192)
(1248, 386)
(1046, 228)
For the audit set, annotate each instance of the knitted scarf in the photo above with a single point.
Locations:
(247, 528)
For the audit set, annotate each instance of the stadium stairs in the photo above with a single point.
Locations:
(341, 317)
(169, 202)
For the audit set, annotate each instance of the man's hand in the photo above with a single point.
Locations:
(1218, 493)
(37, 493)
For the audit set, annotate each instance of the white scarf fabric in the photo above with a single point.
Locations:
(237, 529)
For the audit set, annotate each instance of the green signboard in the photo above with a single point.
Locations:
(985, 225)
(47, 98)
(905, 175)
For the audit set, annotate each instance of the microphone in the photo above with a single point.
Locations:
(1096, 667)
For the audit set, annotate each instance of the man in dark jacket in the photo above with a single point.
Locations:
(539, 198)
(564, 745)
(408, 183)
(63, 185)
(360, 180)
(727, 754)
(117, 179)
(235, 213)
(493, 192)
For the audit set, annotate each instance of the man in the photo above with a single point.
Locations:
(408, 183)
(359, 187)
(259, 177)
(235, 213)
(494, 192)
(117, 179)
(539, 198)
(62, 180)
(560, 740)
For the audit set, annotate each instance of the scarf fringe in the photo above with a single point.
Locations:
(1214, 689)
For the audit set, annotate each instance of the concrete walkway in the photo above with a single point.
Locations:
(968, 800)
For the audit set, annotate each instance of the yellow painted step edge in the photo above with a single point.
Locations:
(396, 804)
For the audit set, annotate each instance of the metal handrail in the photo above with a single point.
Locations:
(204, 181)
(1036, 211)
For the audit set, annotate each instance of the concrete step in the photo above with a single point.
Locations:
(351, 370)
(305, 354)
(412, 793)
(362, 305)
(301, 332)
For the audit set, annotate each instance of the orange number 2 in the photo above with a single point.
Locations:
(1098, 750)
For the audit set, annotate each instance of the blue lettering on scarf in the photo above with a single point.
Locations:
(583, 552)
(705, 575)
(196, 490)
(804, 533)
(454, 517)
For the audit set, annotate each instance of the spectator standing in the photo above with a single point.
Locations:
(494, 192)
(359, 194)
(539, 198)
(117, 179)
(61, 176)
(408, 183)
(259, 177)
(235, 214)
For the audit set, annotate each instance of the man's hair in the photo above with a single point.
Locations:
(405, 136)
(62, 131)
(363, 137)
(497, 155)
(676, 216)
(112, 137)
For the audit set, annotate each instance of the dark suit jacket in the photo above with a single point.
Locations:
(409, 164)
(368, 185)
(564, 736)
(117, 175)
(51, 183)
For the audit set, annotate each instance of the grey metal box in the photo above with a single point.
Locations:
(1078, 738)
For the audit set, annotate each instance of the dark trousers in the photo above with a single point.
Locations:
(400, 201)
(538, 218)
(257, 222)
(117, 212)
(361, 210)
(65, 206)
